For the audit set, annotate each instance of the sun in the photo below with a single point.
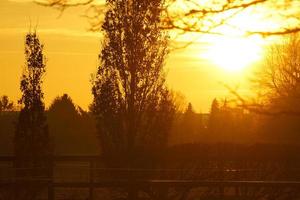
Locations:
(234, 55)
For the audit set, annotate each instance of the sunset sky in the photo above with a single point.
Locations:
(197, 71)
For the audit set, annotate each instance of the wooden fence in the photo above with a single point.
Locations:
(88, 172)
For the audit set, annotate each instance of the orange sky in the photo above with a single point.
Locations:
(72, 51)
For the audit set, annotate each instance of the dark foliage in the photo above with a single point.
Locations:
(133, 107)
(6, 104)
(72, 128)
(31, 142)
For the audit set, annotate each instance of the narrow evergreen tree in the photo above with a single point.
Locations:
(190, 109)
(214, 117)
(188, 125)
(31, 141)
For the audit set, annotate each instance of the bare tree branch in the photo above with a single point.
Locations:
(206, 18)
(192, 16)
(284, 31)
(62, 4)
(259, 108)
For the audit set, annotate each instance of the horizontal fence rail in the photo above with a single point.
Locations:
(159, 183)
(89, 172)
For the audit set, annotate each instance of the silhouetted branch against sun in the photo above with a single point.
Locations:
(257, 108)
(208, 16)
(61, 4)
(282, 31)
(204, 17)
(199, 18)
(94, 12)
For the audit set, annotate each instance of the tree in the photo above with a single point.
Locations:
(130, 96)
(72, 129)
(220, 122)
(190, 109)
(279, 78)
(133, 107)
(31, 142)
(191, 126)
(276, 84)
(214, 116)
(6, 104)
(228, 123)
(279, 91)
(63, 105)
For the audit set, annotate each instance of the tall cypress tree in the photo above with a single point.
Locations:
(31, 141)
(214, 117)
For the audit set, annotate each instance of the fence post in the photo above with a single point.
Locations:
(91, 179)
(50, 191)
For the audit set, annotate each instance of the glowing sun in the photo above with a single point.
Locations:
(234, 54)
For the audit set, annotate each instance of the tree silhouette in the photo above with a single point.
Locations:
(133, 107)
(191, 126)
(277, 82)
(72, 129)
(214, 116)
(63, 106)
(278, 92)
(6, 104)
(279, 78)
(190, 109)
(31, 142)
(130, 97)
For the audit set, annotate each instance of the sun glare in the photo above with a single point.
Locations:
(234, 55)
